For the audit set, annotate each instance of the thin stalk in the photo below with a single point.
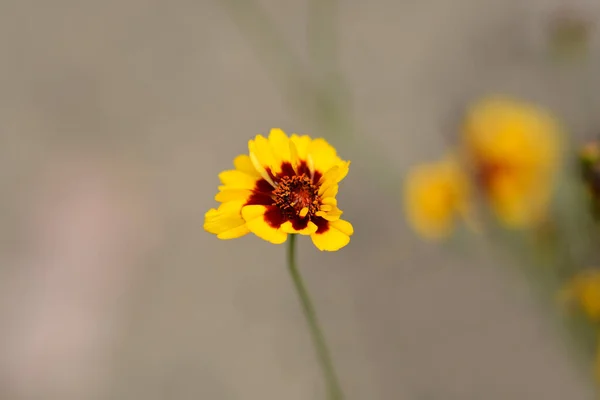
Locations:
(322, 35)
(326, 103)
(286, 67)
(333, 386)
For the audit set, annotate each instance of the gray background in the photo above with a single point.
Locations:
(167, 93)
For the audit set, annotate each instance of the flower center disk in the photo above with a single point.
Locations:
(295, 194)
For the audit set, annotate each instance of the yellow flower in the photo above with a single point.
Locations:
(584, 292)
(435, 194)
(285, 185)
(514, 150)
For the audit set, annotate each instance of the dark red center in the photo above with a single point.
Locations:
(293, 193)
(487, 172)
(295, 189)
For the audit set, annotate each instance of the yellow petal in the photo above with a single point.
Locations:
(294, 157)
(226, 221)
(280, 145)
(343, 226)
(329, 201)
(331, 178)
(336, 237)
(331, 191)
(310, 228)
(344, 168)
(254, 215)
(518, 205)
(524, 141)
(303, 212)
(323, 155)
(498, 126)
(434, 195)
(225, 194)
(328, 180)
(244, 164)
(234, 179)
(262, 157)
(332, 215)
(301, 143)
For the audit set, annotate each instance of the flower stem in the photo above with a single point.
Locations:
(333, 386)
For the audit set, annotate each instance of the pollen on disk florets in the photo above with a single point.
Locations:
(297, 196)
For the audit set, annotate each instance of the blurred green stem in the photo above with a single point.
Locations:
(333, 102)
(322, 35)
(326, 101)
(333, 386)
(277, 56)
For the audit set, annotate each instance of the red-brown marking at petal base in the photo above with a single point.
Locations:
(287, 171)
(261, 194)
(271, 175)
(317, 177)
(261, 199)
(285, 202)
(274, 217)
(303, 169)
(487, 172)
(299, 223)
(262, 186)
(322, 225)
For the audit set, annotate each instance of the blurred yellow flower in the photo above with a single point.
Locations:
(435, 194)
(583, 291)
(513, 148)
(286, 185)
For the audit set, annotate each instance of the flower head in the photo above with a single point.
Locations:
(513, 150)
(285, 185)
(583, 291)
(435, 195)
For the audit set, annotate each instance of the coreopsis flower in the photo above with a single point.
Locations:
(435, 195)
(285, 185)
(513, 149)
(583, 291)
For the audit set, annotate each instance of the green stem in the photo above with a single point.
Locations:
(333, 386)
(286, 68)
(309, 99)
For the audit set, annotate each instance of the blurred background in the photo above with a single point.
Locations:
(117, 116)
